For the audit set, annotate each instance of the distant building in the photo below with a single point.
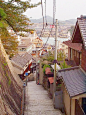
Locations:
(22, 64)
(38, 42)
(63, 47)
(24, 46)
(49, 48)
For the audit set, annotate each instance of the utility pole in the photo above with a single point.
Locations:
(55, 61)
(36, 64)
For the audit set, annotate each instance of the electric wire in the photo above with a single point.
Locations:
(47, 39)
(43, 29)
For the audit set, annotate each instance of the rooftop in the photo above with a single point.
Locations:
(76, 46)
(74, 80)
(79, 34)
(21, 60)
(25, 43)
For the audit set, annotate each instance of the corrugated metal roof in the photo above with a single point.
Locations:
(74, 80)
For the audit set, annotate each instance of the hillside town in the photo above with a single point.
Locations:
(42, 65)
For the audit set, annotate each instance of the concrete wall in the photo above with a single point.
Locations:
(10, 86)
(13, 72)
(59, 100)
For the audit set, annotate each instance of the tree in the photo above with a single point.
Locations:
(11, 15)
(50, 56)
(61, 55)
(2, 17)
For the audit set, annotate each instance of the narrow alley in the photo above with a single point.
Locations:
(38, 101)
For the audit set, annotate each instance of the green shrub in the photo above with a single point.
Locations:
(64, 65)
(4, 64)
(9, 82)
(42, 65)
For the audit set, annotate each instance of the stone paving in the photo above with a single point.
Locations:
(37, 101)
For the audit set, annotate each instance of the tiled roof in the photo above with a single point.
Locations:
(27, 56)
(81, 33)
(74, 80)
(21, 60)
(39, 39)
(48, 70)
(51, 79)
(76, 46)
(82, 26)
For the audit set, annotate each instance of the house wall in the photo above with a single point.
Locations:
(22, 50)
(66, 100)
(74, 55)
(38, 43)
(83, 59)
(18, 70)
(63, 47)
(29, 49)
(72, 107)
(68, 53)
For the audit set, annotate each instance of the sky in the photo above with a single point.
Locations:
(65, 9)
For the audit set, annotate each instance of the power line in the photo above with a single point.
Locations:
(48, 38)
(44, 27)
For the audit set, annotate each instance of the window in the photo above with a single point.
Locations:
(38, 44)
(23, 49)
(62, 45)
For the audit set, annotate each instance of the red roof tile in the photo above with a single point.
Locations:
(76, 46)
(51, 80)
(48, 70)
(39, 39)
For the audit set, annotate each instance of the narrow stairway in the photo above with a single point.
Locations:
(37, 101)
